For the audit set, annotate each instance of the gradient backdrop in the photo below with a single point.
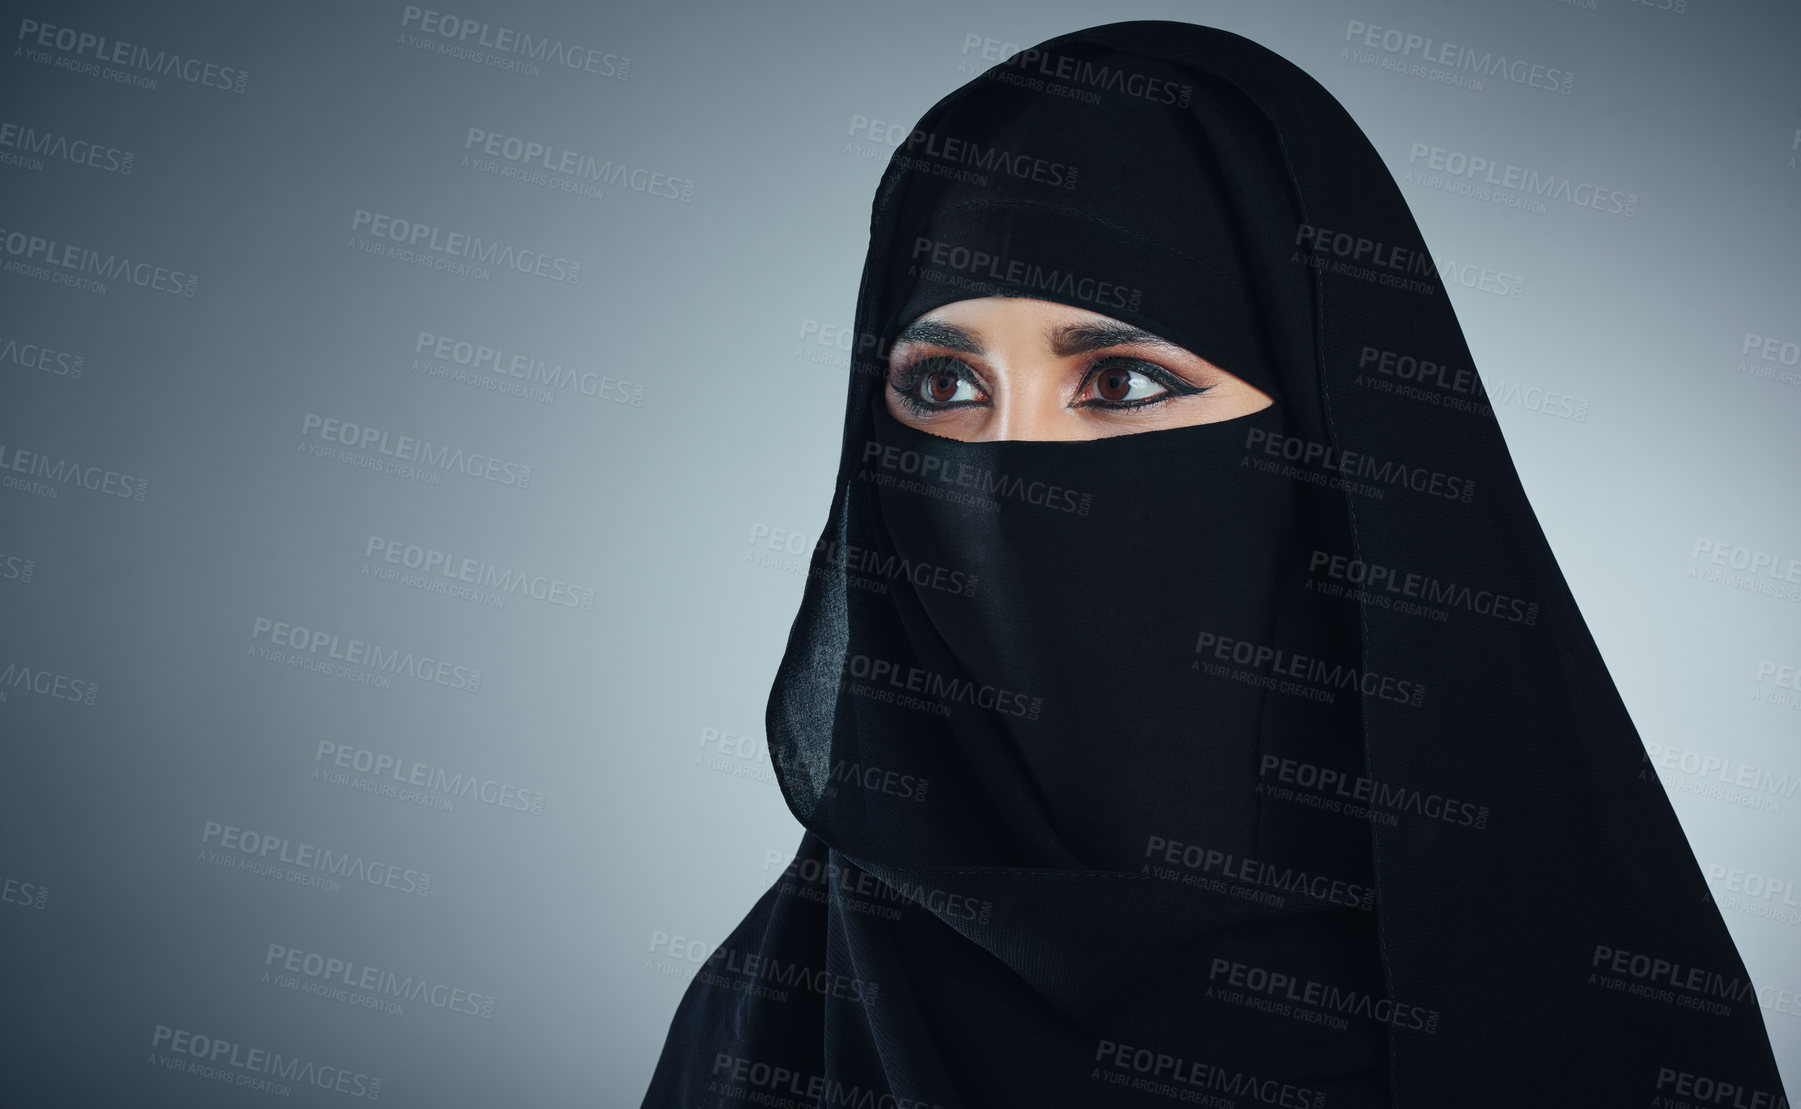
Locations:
(410, 450)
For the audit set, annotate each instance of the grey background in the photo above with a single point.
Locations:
(583, 921)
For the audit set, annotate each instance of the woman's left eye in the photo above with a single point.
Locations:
(1122, 383)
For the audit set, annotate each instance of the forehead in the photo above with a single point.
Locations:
(1012, 309)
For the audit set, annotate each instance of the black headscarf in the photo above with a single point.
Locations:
(1261, 762)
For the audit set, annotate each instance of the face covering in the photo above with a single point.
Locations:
(1113, 576)
(1102, 568)
(1264, 762)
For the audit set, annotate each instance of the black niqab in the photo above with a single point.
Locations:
(1266, 761)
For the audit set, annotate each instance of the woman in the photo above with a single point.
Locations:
(1176, 710)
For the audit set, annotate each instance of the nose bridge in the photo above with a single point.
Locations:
(1030, 401)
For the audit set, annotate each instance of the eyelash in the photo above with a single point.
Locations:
(905, 381)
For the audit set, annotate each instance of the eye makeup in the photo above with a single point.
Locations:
(1172, 383)
(906, 377)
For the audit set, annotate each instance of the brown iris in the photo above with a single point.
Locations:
(941, 387)
(1113, 384)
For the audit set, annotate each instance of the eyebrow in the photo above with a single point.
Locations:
(1086, 337)
(1064, 341)
(934, 333)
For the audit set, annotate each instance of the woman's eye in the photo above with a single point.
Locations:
(1117, 384)
(937, 383)
(944, 387)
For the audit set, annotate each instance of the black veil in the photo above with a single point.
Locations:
(1394, 695)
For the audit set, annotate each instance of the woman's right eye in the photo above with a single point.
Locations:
(944, 387)
(937, 383)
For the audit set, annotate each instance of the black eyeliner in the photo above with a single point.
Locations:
(910, 375)
(1174, 383)
(905, 383)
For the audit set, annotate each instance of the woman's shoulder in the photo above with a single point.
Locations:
(733, 1015)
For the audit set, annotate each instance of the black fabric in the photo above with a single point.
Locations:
(1263, 762)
